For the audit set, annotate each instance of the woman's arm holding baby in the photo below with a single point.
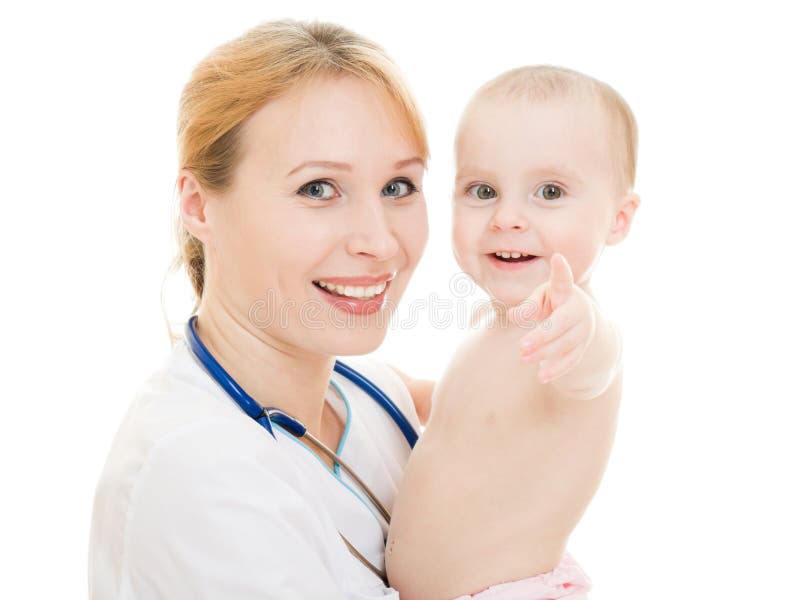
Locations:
(578, 349)
(421, 391)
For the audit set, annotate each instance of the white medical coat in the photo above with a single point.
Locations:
(197, 500)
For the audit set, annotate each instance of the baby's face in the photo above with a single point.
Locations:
(531, 179)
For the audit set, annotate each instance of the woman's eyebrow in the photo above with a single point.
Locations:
(409, 161)
(329, 164)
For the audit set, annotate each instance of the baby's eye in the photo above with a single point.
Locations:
(549, 191)
(482, 191)
(399, 188)
(318, 190)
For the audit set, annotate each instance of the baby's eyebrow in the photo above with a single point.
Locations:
(469, 171)
(556, 170)
(547, 170)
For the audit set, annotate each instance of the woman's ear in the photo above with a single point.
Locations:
(625, 209)
(192, 205)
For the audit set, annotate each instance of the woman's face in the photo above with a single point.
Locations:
(325, 222)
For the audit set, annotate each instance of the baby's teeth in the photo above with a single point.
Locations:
(515, 255)
(506, 255)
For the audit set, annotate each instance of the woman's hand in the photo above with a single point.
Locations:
(565, 322)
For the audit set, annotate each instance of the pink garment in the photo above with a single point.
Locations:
(567, 580)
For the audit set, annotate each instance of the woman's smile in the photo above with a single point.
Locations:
(364, 305)
(361, 295)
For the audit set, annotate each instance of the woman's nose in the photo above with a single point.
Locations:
(371, 233)
(508, 216)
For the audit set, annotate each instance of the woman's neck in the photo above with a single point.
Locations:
(272, 372)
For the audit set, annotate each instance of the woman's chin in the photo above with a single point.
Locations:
(350, 341)
(357, 347)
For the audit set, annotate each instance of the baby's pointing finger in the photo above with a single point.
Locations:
(548, 330)
(527, 312)
(554, 369)
(556, 348)
(561, 280)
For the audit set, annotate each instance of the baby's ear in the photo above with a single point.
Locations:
(625, 209)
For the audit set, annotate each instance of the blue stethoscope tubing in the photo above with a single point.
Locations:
(264, 416)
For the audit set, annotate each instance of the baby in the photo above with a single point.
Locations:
(523, 418)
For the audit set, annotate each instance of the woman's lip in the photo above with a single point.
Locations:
(356, 306)
(360, 280)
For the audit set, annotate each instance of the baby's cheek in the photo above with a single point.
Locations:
(582, 254)
(465, 242)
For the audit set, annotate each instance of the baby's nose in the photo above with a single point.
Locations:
(509, 217)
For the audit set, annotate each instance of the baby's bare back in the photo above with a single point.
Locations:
(500, 477)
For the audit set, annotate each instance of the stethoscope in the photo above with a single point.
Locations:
(266, 416)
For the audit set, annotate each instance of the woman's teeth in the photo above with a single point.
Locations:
(514, 255)
(353, 291)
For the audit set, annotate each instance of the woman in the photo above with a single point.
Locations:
(301, 221)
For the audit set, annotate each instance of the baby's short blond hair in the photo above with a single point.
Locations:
(538, 83)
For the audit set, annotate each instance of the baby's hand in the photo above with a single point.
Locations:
(565, 321)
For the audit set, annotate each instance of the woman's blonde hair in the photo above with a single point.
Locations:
(239, 77)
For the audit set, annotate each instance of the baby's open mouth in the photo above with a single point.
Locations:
(513, 256)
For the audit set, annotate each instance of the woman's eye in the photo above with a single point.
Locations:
(549, 191)
(398, 188)
(482, 191)
(319, 190)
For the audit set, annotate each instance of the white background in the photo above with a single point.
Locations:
(700, 497)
